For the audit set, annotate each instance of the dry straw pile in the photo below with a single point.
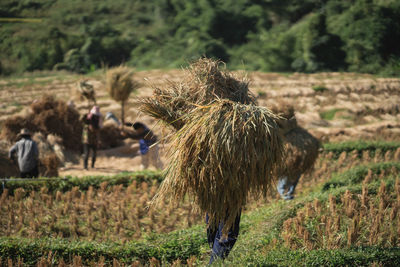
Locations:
(205, 83)
(225, 147)
(120, 85)
(7, 167)
(49, 161)
(86, 91)
(49, 116)
(301, 148)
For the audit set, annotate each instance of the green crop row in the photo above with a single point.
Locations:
(357, 175)
(337, 257)
(83, 183)
(360, 146)
(166, 248)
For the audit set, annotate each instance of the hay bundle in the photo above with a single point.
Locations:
(58, 148)
(86, 91)
(48, 165)
(301, 151)
(205, 83)
(7, 167)
(110, 136)
(56, 117)
(13, 125)
(301, 148)
(286, 111)
(48, 116)
(120, 85)
(48, 160)
(224, 152)
(171, 105)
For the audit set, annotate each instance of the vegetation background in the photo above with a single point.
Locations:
(273, 35)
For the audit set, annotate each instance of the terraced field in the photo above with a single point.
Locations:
(353, 189)
(336, 106)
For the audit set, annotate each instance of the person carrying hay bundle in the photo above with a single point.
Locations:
(27, 155)
(301, 151)
(86, 91)
(148, 146)
(223, 149)
(120, 84)
(92, 123)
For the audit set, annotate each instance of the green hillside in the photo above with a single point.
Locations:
(273, 35)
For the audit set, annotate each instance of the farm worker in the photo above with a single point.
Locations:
(147, 144)
(221, 245)
(27, 154)
(92, 122)
(288, 185)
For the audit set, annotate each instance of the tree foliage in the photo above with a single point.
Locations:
(273, 35)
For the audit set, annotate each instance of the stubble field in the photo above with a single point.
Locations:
(346, 210)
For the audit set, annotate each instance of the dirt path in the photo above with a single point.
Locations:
(111, 161)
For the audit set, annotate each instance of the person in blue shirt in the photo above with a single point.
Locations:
(148, 146)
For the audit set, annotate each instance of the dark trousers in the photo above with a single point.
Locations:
(221, 247)
(34, 173)
(86, 150)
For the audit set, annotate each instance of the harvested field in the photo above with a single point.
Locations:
(349, 107)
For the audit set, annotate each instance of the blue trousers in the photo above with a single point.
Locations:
(221, 247)
(286, 188)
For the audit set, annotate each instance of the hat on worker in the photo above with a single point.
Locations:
(24, 132)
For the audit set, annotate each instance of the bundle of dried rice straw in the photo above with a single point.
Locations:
(224, 147)
(301, 151)
(86, 91)
(285, 110)
(205, 83)
(224, 152)
(119, 83)
(301, 148)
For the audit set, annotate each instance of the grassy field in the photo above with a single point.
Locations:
(346, 212)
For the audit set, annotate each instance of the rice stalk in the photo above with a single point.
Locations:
(224, 152)
(120, 85)
(205, 82)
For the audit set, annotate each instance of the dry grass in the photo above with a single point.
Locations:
(204, 83)
(48, 159)
(301, 148)
(7, 167)
(285, 110)
(225, 146)
(49, 116)
(301, 151)
(120, 84)
(86, 91)
(108, 213)
(353, 220)
(225, 152)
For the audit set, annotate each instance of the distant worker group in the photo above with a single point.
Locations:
(148, 142)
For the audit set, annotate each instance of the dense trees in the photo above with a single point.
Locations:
(272, 35)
